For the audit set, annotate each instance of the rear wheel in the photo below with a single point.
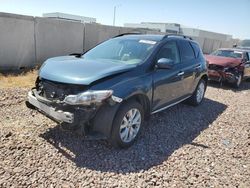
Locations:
(127, 124)
(198, 94)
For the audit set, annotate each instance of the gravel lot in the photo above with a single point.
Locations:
(205, 146)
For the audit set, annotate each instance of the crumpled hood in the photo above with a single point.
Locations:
(223, 61)
(72, 70)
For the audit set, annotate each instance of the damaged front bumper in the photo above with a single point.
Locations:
(96, 118)
(52, 112)
(223, 74)
(59, 111)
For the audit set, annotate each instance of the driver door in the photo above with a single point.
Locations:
(167, 82)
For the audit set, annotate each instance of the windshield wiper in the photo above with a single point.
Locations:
(78, 55)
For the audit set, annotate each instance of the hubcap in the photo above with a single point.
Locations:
(130, 125)
(200, 92)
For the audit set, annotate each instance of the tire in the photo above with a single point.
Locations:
(238, 82)
(69, 126)
(198, 95)
(123, 128)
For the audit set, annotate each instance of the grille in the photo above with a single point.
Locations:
(58, 91)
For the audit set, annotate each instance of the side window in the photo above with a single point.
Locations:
(196, 49)
(186, 51)
(170, 51)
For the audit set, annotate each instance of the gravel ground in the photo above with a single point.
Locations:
(205, 146)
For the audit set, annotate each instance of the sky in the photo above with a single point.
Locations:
(223, 16)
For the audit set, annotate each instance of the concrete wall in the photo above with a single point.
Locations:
(95, 33)
(205, 34)
(27, 41)
(201, 41)
(55, 38)
(17, 42)
(190, 32)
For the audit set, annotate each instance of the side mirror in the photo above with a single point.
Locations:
(164, 63)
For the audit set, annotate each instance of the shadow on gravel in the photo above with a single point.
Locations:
(245, 85)
(164, 133)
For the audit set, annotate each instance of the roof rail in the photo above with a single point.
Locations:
(132, 33)
(177, 35)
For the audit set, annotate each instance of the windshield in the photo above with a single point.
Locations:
(227, 53)
(129, 51)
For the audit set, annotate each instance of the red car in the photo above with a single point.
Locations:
(229, 64)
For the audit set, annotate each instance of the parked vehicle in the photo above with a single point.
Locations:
(229, 64)
(109, 91)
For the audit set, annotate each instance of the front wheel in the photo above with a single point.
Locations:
(198, 94)
(127, 124)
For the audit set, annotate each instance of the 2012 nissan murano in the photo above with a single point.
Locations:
(108, 91)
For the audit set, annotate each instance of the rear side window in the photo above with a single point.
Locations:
(186, 51)
(196, 49)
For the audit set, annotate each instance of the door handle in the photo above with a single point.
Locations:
(198, 66)
(180, 73)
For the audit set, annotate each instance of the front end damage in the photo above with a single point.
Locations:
(224, 74)
(63, 104)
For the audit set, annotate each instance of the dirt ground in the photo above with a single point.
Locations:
(205, 146)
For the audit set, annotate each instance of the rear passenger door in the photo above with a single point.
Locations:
(190, 64)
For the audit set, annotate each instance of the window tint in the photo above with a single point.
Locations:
(186, 51)
(170, 51)
(196, 48)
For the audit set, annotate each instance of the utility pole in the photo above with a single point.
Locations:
(114, 15)
(114, 18)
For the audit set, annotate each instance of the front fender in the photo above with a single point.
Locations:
(140, 85)
(103, 120)
(104, 117)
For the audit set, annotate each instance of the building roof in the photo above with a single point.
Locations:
(70, 17)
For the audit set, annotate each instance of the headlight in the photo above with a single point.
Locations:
(88, 97)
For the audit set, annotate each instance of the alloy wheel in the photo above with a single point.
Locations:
(130, 125)
(200, 92)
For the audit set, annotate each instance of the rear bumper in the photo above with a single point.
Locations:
(57, 115)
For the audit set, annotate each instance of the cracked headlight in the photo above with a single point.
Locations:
(88, 97)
